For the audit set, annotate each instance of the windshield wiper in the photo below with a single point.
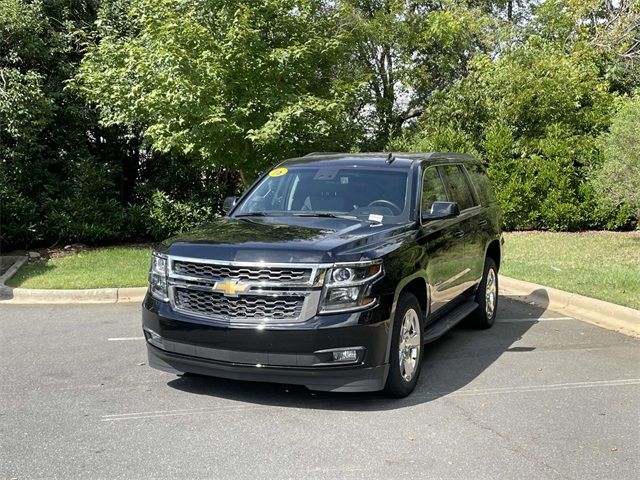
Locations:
(325, 214)
(308, 214)
(254, 214)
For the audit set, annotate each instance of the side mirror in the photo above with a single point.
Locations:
(229, 203)
(441, 210)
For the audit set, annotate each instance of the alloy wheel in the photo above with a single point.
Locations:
(409, 344)
(491, 292)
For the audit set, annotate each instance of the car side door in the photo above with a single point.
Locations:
(460, 190)
(487, 221)
(441, 242)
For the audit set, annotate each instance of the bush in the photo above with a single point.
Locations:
(96, 220)
(85, 220)
(617, 180)
(601, 214)
(534, 114)
(436, 138)
(19, 219)
(169, 217)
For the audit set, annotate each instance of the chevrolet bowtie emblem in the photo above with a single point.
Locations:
(229, 287)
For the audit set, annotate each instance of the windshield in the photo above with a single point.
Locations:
(373, 194)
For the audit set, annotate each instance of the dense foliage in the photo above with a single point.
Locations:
(534, 111)
(126, 120)
(65, 175)
(617, 179)
(237, 84)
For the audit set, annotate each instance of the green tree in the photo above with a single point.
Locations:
(63, 176)
(406, 51)
(239, 84)
(534, 111)
(618, 179)
(42, 127)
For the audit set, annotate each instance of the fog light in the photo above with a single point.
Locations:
(339, 356)
(345, 356)
(153, 338)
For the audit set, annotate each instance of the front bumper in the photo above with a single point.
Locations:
(277, 353)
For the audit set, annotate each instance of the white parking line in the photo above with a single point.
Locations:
(121, 339)
(179, 413)
(540, 319)
(543, 388)
(459, 393)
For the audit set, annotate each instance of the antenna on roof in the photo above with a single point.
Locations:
(390, 158)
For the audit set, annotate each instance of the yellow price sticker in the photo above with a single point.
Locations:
(278, 172)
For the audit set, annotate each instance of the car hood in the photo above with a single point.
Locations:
(287, 239)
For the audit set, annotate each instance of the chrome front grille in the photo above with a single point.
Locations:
(256, 273)
(245, 292)
(246, 307)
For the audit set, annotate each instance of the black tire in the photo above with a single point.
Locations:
(397, 383)
(484, 317)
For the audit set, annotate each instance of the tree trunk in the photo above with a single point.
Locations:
(130, 165)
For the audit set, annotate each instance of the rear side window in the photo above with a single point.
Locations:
(479, 178)
(432, 189)
(458, 186)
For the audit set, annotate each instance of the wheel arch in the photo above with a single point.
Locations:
(416, 284)
(494, 251)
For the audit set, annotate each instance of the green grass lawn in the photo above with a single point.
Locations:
(107, 267)
(604, 265)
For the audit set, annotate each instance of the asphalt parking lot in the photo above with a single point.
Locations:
(537, 396)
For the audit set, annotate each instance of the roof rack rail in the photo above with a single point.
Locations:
(311, 154)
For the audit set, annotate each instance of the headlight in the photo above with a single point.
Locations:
(348, 286)
(158, 277)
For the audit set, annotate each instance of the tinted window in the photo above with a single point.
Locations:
(356, 192)
(432, 189)
(481, 182)
(458, 186)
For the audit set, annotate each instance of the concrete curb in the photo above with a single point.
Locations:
(33, 295)
(597, 312)
(97, 295)
(17, 263)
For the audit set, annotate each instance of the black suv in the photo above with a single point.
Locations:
(330, 271)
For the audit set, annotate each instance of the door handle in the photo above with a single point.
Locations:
(482, 223)
(459, 234)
